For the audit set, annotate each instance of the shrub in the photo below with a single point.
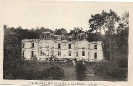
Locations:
(122, 63)
(100, 68)
(110, 70)
(54, 72)
(80, 71)
(119, 74)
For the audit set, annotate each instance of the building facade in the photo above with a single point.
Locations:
(62, 47)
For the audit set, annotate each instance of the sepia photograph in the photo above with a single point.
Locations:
(65, 41)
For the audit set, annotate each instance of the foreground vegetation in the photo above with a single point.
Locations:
(89, 71)
(32, 70)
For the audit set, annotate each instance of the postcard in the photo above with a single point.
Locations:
(66, 43)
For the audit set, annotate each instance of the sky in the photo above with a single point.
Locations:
(38, 13)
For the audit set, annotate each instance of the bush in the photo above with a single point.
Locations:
(54, 72)
(122, 63)
(119, 74)
(100, 68)
(80, 71)
(35, 71)
(110, 70)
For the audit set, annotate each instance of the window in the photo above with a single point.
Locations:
(83, 53)
(69, 46)
(23, 45)
(32, 45)
(69, 53)
(77, 53)
(95, 55)
(59, 46)
(32, 53)
(59, 53)
(95, 46)
(47, 36)
(41, 52)
(23, 53)
(43, 36)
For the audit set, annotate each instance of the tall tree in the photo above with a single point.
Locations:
(122, 34)
(105, 21)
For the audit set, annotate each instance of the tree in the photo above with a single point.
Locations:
(93, 37)
(61, 31)
(125, 18)
(105, 21)
(122, 39)
(124, 23)
(75, 32)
